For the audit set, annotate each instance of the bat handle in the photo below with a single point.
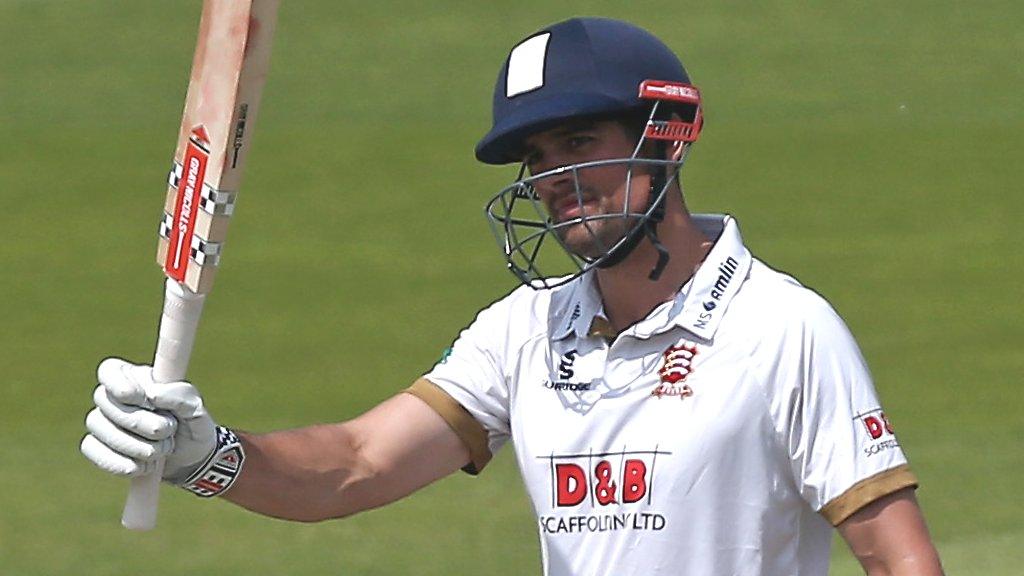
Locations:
(178, 325)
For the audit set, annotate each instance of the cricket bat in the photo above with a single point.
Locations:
(228, 71)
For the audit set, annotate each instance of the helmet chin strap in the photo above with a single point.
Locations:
(649, 229)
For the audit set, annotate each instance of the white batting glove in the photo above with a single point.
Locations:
(136, 422)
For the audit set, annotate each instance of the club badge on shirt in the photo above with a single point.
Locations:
(676, 367)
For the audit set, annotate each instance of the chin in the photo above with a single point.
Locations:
(590, 245)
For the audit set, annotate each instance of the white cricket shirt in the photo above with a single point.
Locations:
(723, 434)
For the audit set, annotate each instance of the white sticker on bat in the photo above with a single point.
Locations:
(526, 65)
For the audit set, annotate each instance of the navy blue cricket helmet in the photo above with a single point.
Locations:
(579, 67)
(587, 67)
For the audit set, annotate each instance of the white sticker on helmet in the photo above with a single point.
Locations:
(526, 65)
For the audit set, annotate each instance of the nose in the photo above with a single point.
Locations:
(550, 189)
(554, 185)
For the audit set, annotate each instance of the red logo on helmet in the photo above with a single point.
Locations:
(681, 130)
(676, 367)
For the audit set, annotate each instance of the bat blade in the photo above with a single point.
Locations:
(229, 68)
(228, 72)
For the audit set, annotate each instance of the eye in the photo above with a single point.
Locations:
(579, 140)
(530, 156)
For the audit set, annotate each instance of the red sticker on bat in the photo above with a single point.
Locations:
(193, 170)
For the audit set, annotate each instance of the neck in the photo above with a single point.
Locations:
(628, 294)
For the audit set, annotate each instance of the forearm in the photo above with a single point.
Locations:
(914, 566)
(308, 474)
(335, 470)
(916, 557)
(890, 538)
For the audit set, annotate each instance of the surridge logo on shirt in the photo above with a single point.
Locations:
(565, 374)
(565, 370)
(676, 366)
(603, 491)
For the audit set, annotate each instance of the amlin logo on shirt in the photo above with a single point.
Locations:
(726, 270)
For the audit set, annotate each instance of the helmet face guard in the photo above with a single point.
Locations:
(534, 244)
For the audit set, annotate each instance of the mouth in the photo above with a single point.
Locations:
(569, 208)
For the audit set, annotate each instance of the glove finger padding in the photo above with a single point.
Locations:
(179, 398)
(124, 381)
(106, 459)
(196, 437)
(138, 420)
(125, 443)
(135, 419)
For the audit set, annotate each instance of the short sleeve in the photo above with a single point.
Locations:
(843, 451)
(472, 374)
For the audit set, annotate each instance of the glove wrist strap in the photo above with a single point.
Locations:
(221, 469)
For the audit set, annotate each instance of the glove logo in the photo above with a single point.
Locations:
(221, 469)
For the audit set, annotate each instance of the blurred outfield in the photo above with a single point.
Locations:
(872, 149)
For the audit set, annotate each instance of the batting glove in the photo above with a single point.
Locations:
(136, 422)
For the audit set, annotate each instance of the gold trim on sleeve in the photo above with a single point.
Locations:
(461, 422)
(867, 491)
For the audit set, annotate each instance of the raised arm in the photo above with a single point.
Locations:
(334, 470)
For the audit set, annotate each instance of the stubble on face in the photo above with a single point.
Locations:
(602, 220)
(589, 206)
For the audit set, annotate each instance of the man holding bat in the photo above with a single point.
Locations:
(676, 406)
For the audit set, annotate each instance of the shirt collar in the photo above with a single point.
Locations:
(701, 303)
(575, 308)
(698, 307)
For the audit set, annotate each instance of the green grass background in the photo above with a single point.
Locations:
(871, 148)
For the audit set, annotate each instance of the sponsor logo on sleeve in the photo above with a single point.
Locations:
(876, 432)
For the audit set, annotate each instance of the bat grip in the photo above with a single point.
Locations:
(178, 325)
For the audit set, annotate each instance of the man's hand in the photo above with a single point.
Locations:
(136, 422)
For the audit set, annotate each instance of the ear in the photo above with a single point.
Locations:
(676, 150)
(678, 147)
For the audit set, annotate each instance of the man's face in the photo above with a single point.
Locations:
(602, 190)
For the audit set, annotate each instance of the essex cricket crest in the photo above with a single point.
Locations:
(676, 366)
